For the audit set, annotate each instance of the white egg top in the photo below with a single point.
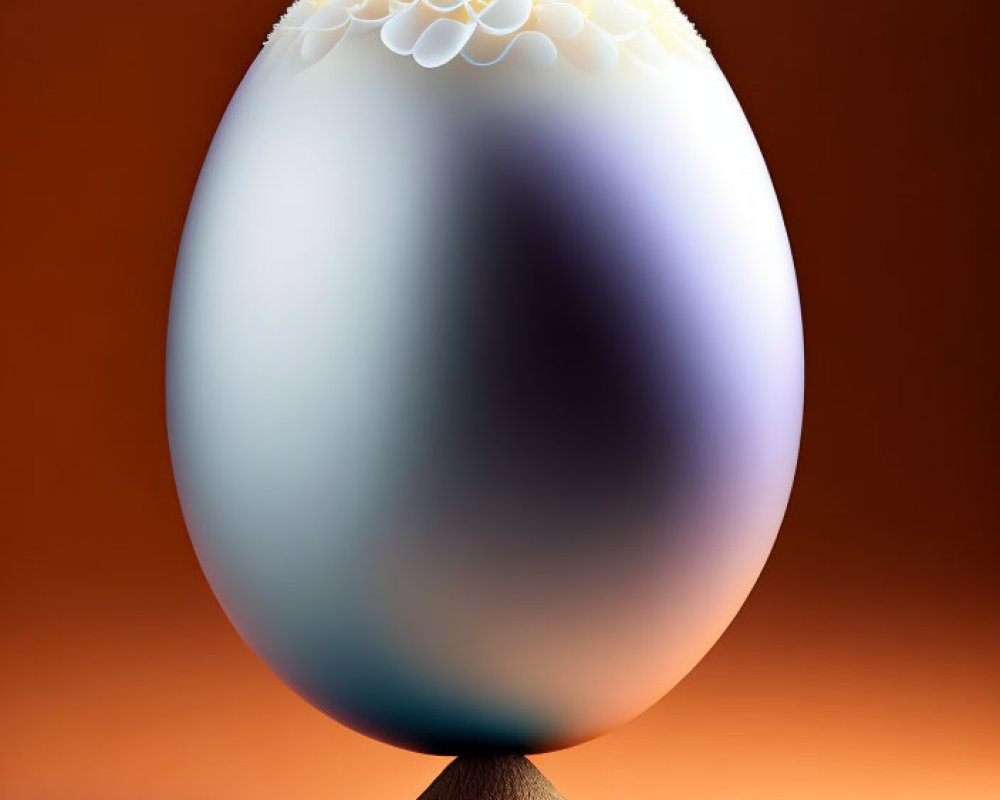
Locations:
(593, 35)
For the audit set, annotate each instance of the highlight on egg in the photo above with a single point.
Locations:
(484, 365)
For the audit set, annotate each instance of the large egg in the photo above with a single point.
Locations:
(484, 369)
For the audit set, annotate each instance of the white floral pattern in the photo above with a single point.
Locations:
(594, 35)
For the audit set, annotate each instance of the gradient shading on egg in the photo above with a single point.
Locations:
(484, 367)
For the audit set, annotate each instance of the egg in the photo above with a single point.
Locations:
(484, 364)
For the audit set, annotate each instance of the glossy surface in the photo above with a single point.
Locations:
(484, 393)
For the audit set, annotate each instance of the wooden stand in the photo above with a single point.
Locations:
(491, 778)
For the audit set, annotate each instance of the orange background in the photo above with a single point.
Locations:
(865, 664)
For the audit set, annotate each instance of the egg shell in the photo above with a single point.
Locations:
(484, 386)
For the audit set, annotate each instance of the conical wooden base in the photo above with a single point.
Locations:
(491, 778)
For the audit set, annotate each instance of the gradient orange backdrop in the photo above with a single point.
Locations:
(866, 662)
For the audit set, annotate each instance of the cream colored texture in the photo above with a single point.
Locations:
(593, 35)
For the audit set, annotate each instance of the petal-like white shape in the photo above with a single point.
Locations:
(441, 42)
(505, 16)
(329, 18)
(444, 6)
(360, 27)
(485, 48)
(592, 51)
(530, 50)
(592, 34)
(402, 30)
(618, 17)
(560, 21)
(525, 50)
(316, 44)
(373, 10)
